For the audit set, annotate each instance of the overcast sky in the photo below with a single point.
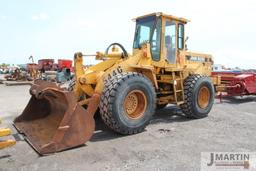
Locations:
(56, 29)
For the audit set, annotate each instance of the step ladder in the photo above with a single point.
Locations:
(178, 89)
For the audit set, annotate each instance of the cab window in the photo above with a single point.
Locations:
(156, 41)
(170, 41)
(148, 30)
(181, 36)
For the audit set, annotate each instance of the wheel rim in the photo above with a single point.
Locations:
(203, 97)
(135, 104)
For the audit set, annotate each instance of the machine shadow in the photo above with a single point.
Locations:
(169, 114)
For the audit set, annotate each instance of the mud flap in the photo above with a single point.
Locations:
(53, 120)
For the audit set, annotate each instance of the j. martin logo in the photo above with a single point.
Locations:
(228, 161)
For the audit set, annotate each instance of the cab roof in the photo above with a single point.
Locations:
(183, 20)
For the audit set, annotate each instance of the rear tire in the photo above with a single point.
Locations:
(127, 103)
(199, 96)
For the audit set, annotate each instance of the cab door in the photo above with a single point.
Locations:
(170, 41)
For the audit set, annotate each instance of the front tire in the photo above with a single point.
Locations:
(199, 96)
(128, 103)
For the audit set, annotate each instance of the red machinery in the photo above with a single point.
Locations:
(49, 65)
(46, 64)
(64, 63)
(236, 83)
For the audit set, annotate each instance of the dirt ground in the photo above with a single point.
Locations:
(170, 142)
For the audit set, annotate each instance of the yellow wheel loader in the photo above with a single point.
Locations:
(125, 88)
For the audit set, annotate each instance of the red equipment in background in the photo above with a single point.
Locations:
(46, 64)
(49, 65)
(236, 83)
(64, 63)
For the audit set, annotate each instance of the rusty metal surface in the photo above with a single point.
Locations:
(15, 83)
(53, 120)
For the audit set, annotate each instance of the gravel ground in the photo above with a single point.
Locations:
(170, 142)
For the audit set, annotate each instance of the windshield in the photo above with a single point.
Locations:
(148, 29)
(143, 32)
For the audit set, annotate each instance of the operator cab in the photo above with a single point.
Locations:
(164, 33)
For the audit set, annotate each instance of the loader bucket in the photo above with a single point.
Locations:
(53, 120)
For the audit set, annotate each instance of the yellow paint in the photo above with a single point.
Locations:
(162, 74)
(7, 143)
(5, 131)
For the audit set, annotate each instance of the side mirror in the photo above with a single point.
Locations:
(186, 46)
(186, 39)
